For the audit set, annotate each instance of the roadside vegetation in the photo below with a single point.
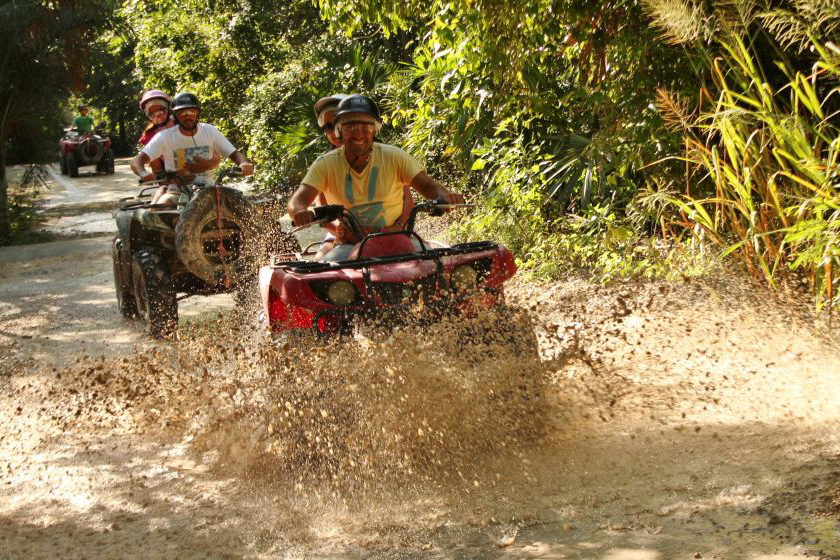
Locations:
(622, 137)
(24, 192)
(43, 58)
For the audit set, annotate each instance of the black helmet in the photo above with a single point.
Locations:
(357, 104)
(185, 100)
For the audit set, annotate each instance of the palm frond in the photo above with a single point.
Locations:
(824, 15)
(795, 27)
(675, 112)
(681, 21)
(735, 16)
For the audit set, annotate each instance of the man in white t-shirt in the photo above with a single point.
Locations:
(187, 149)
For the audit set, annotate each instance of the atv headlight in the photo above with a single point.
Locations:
(463, 278)
(341, 292)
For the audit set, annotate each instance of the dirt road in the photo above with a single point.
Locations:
(656, 421)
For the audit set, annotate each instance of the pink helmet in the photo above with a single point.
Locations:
(153, 94)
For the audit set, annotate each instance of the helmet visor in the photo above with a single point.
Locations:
(155, 105)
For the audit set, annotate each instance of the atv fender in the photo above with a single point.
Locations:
(123, 219)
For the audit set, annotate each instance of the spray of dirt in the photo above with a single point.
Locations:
(415, 402)
(621, 411)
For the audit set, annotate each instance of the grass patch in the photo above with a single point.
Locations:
(598, 245)
(23, 208)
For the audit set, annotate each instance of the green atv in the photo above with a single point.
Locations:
(162, 254)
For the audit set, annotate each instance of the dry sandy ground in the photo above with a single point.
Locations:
(644, 421)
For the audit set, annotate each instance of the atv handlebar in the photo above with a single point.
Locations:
(435, 208)
(329, 212)
(168, 177)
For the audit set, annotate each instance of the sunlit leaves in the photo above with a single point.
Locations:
(771, 155)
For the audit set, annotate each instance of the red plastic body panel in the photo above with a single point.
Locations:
(66, 145)
(289, 301)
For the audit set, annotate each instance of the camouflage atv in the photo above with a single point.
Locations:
(162, 254)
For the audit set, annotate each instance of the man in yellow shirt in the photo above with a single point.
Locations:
(363, 176)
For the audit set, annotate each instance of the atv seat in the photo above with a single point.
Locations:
(385, 245)
(160, 220)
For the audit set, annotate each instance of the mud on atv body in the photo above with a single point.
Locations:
(387, 276)
(77, 150)
(162, 254)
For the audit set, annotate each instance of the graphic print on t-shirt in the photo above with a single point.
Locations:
(370, 215)
(192, 154)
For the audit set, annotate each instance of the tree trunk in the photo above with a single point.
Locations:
(121, 124)
(5, 227)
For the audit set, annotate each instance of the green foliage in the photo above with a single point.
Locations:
(544, 112)
(258, 68)
(23, 208)
(42, 55)
(770, 153)
(599, 243)
(113, 86)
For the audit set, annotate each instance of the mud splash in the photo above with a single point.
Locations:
(411, 403)
(621, 418)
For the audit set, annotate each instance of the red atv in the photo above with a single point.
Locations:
(386, 275)
(79, 149)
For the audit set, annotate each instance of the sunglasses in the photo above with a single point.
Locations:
(155, 110)
(354, 126)
(328, 126)
(187, 112)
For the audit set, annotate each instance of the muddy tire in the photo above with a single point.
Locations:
(90, 150)
(197, 237)
(106, 163)
(72, 164)
(62, 164)
(125, 293)
(154, 293)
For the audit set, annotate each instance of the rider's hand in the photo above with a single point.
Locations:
(185, 174)
(147, 176)
(304, 217)
(336, 228)
(455, 198)
(247, 168)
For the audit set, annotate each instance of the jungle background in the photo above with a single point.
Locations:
(621, 137)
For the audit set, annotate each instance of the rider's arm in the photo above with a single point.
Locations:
(138, 165)
(298, 206)
(243, 163)
(432, 190)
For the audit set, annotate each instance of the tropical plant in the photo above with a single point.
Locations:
(770, 153)
(112, 85)
(42, 58)
(543, 111)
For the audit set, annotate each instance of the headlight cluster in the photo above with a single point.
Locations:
(463, 278)
(341, 292)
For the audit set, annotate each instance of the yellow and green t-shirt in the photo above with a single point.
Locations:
(374, 196)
